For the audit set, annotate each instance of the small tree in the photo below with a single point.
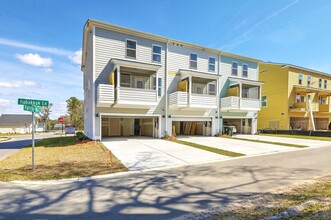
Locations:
(44, 115)
(75, 110)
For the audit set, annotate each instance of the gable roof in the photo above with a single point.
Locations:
(297, 67)
(15, 119)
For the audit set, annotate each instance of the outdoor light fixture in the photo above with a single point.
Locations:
(97, 115)
(169, 116)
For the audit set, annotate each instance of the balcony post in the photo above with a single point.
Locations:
(156, 86)
(189, 89)
(218, 106)
(240, 94)
(118, 83)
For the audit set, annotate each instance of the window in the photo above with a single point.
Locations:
(139, 84)
(193, 61)
(298, 98)
(320, 83)
(300, 79)
(245, 70)
(325, 84)
(245, 92)
(156, 53)
(211, 64)
(234, 69)
(308, 80)
(131, 47)
(264, 101)
(199, 90)
(125, 80)
(211, 89)
(159, 86)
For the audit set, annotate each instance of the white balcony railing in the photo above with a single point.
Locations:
(236, 103)
(134, 96)
(181, 100)
(105, 95)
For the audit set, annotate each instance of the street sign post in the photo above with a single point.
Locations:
(32, 106)
(61, 120)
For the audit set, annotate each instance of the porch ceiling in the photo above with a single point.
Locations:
(136, 65)
(237, 81)
(203, 75)
(312, 90)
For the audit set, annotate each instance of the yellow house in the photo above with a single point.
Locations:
(294, 97)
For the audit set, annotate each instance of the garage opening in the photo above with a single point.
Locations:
(126, 127)
(238, 125)
(299, 123)
(322, 123)
(192, 128)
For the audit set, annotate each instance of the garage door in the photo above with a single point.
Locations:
(321, 123)
(116, 126)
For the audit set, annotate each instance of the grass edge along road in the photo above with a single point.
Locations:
(60, 158)
(316, 138)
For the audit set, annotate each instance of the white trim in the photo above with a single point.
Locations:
(94, 86)
(242, 70)
(193, 61)
(126, 47)
(214, 65)
(153, 61)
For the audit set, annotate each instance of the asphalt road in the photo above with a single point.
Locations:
(163, 194)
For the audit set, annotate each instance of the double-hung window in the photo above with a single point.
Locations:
(131, 49)
(234, 69)
(125, 80)
(325, 84)
(159, 86)
(211, 64)
(156, 53)
(245, 70)
(300, 79)
(211, 89)
(193, 61)
(245, 92)
(320, 81)
(308, 80)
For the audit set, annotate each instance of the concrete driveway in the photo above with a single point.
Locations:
(138, 153)
(238, 146)
(307, 142)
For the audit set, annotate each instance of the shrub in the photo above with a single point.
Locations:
(81, 136)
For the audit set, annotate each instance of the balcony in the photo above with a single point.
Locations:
(324, 108)
(303, 107)
(135, 98)
(105, 95)
(236, 103)
(181, 99)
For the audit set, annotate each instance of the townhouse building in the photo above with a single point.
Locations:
(294, 97)
(137, 83)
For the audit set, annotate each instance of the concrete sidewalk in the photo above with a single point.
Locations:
(306, 142)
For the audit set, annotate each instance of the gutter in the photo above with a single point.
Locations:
(166, 87)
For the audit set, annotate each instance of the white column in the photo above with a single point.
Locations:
(189, 89)
(240, 94)
(118, 83)
(218, 106)
(156, 86)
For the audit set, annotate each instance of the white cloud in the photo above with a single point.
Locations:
(34, 59)
(19, 44)
(17, 84)
(47, 70)
(4, 103)
(76, 57)
(59, 109)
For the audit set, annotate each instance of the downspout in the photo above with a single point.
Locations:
(166, 87)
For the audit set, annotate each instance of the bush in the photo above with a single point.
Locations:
(81, 136)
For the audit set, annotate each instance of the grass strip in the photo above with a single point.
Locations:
(299, 136)
(270, 142)
(210, 149)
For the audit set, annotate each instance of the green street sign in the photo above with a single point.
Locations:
(31, 108)
(33, 102)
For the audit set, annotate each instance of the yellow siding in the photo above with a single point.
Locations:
(183, 86)
(111, 78)
(275, 87)
(233, 91)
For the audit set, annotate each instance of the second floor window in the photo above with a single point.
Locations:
(320, 83)
(131, 49)
(156, 53)
(193, 61)
(211, 64)
(300, 79)
(245, 70)
(264, 101)
(234, 69)
(308, 80)
(325, 84)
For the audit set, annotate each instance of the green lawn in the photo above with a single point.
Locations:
(300, 136)
(279, 201)
(270, 142)
(210, 149)
(59, 158)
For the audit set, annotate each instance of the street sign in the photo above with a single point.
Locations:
(31, 108)
(33, 102)
(60, 120)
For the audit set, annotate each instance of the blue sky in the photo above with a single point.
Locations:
(40, 40)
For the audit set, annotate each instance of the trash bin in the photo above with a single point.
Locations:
(226, 130)
(230, 133)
